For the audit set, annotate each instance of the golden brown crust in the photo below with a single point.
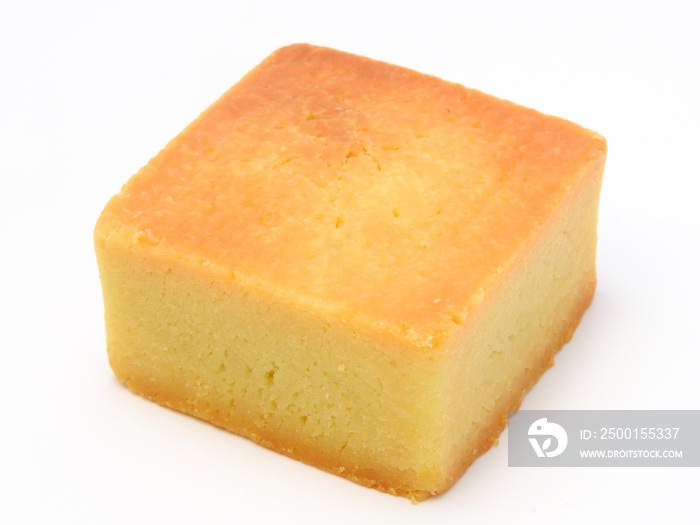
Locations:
(318, 157)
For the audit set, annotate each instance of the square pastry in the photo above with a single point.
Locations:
(354, 264)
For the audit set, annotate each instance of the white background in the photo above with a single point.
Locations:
(89, 91)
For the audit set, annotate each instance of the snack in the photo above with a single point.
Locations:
(353, 264)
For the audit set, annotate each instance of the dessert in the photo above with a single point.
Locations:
(353, 264)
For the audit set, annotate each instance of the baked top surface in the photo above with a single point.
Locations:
(370, 190)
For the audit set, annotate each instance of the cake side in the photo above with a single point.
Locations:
(524, 320)
(359, 404)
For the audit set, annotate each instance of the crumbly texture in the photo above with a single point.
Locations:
(354, 264)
